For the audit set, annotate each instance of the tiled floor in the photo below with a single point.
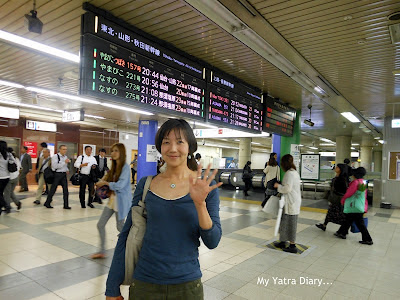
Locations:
(44, 254)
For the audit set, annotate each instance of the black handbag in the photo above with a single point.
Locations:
(48, 174)
(12, 167)
(271, 183)
(76, 178)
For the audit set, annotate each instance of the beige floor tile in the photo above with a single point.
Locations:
(318, 270)
(100, 281)
(23, 260)
(6, 269)
(304, 291)
(49, 296)
(206, 262)
(294, 264)
(221, 267)
(378, 295)
(255, 292)
(3, 227)
(333, 296)
(358, 276)
(83, 290)
(52, 253)
(251, 252)
(349, 290)
(236, 259)
(207, 274)
(330, 264)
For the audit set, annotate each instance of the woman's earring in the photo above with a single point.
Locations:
(189, 156)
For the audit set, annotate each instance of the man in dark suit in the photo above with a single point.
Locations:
(101, 160)
(26, 167)
(40, 154)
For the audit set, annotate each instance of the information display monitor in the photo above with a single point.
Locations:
(232, 104)
(122, 66)
(278, 118)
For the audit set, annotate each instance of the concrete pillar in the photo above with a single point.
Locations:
(244, 151)
(366, 157)
(343, 149)
(377, 157)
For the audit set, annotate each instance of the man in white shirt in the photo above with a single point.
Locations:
(59, 164)
(84, 163)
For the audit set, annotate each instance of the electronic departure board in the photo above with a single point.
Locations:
(279, 118)
(231, 104)
(123, 66)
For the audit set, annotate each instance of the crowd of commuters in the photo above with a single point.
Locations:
(158, 271)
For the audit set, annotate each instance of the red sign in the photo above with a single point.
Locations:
(220, 131)
(32, 149)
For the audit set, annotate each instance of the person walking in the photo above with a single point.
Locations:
(354, 186)
(101, 160)
(42, 146)
(26, 167)
(121, 194)
(182, 207)
(59, 164)
(338, 189)
(134, 168)
(5, 158)
(43, 163)
(272, 175)
(290, 188)
(12, 183)
(85, 163)
(247, 176)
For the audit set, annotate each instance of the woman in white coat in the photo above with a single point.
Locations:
(290, 188)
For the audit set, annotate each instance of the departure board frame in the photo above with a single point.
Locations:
(125, 67)
(278, 118)
(232, 104)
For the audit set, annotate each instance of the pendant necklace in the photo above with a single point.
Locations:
(172, 185)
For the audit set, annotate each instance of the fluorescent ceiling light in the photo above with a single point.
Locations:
(381, 141)
(352, 148)
(61, 95)
(127, 109)
(301, 145)
(355, 144)
(349, 116)
(396, 123)
(315, 148)
(319, 90)
(326, 140)
(254, 143)
(29, 106)
(95, 117)
(38, 46)
(12, 84)
(377, 138)
(237, 140)
(325, 144)
(9, 112)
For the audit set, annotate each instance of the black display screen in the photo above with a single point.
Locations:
(278, 118)
(231, 104)
(115, 72)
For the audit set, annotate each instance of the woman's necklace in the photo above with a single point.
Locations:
(173, 185)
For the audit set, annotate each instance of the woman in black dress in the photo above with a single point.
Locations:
(247, 177)
(338, 189)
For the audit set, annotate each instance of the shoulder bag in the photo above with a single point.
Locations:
(271, 183)
(37, 175)
(12, 166)
(76, 178)
(355, 204)
(134, 240)
(48, 173)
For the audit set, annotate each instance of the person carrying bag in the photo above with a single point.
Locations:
(355, 205)
(272, 176)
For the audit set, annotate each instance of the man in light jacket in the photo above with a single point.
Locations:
(43, 163)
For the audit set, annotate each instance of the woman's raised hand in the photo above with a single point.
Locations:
(200, 187)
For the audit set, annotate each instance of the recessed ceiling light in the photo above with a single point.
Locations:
(349, 116)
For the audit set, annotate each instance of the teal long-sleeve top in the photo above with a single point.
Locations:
(169, 254)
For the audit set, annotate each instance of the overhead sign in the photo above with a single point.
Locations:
(123, 66)
(278, 118)
(333, 154)
(225, 133)
(9, 113)
(73, 116)
(396, 123)
(232, 104)
(41, 126)
(310, 166)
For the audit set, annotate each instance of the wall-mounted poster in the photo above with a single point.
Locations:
(295, 152)
(310, 166)
(394, 165)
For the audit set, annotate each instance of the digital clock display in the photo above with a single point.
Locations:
(278, 118)
(231, 104)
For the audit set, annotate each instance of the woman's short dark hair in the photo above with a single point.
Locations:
(287, 162)
(343, 170)
(43, 145)
(197, 156)
(179, 125)
(359, 172)
(272, 161)
(3, 149)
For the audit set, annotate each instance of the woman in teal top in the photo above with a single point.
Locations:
(182, 206)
